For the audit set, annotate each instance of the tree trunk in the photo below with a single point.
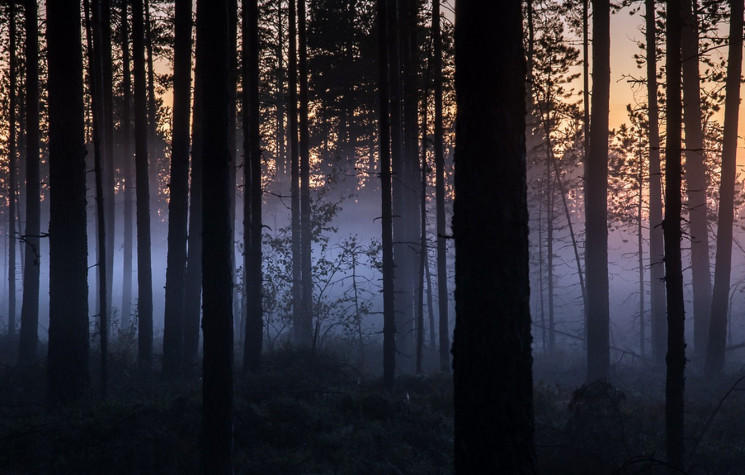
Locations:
(252, 224)
(193, 284)
(723, 266)
(103, 12)
(492, 344)
(442, 277)
(127, 167)
(696, 178)
(384, 131)
(144, 271)
(30, 306)
(656, 253)
(12, 185)
(671, 226)
(95, 66)
(305, 215)
(152, 117)
(640, 254)
(422, 241)
(67, 368)
(217, 280)
(596, 200)
(178, 204)
(302, 331)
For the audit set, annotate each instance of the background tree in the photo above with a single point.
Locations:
(491, 346)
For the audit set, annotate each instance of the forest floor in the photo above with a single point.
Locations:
(314, 413)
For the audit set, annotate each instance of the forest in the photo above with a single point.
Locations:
(372, 236)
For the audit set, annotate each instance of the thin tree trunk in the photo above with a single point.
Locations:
(127, 167)
(656, 252)
(492, 360)
(151, 107)
(30, 305)
(103, 12)
(12, 185)
(96, 85)
(144, 271)
(217, 280)
(178, 204)
(723, 266)
(252, 223)
(422, 240)
(640, 253)
(389, 317)
(281, 133)
(305, 214)
(676, 360)
(430, 305)
(596, 200)
(442, 278)
(193, 284)
(302, 332)
(67, 367)
(695, 172)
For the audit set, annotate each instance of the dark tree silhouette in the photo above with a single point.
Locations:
(442, 277)
(252, 226)
(491, 344)
(389, 316)
(144, 271)
(30, 305)
(12, 172)
(723, 266)
(695, 172)
(676, 359)
(178, 204)
(306, 276)
(656, 251)
(217, 280)
(126, 121)
(596, 199)
(67, 367)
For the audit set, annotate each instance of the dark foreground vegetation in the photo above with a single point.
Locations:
(317, 412)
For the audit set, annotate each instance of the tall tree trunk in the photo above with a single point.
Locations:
(492, 360)
(252, 226)
(305, 216)
(442, 277)
(676, 359)
(12, 172)
(232, 143)
(723, 266)
(550, 255)
(152, 117)
(422, 240)
(384, 135)
(217, 280)
(178, 205)
(144, 270)
(281, 133)
(656, 252)
(696, 178)
(30, 305)
(95, 66)
(640, 254)
(103, 11)
(127, 168)
(67, 367)
(302, 331)
(193, 284)
(596, 200)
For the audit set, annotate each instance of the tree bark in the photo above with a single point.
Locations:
(30, 306)
(596, 200)
(217, 280)
(696, 178)
(305, 215)
(252, 224)
(656, 252)
(442, 277)
(144, 270)
(127, 168)
(723, 266)
(676, 360)
(384, 130)
(67, 367)
(492, 343)
(178, 205)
